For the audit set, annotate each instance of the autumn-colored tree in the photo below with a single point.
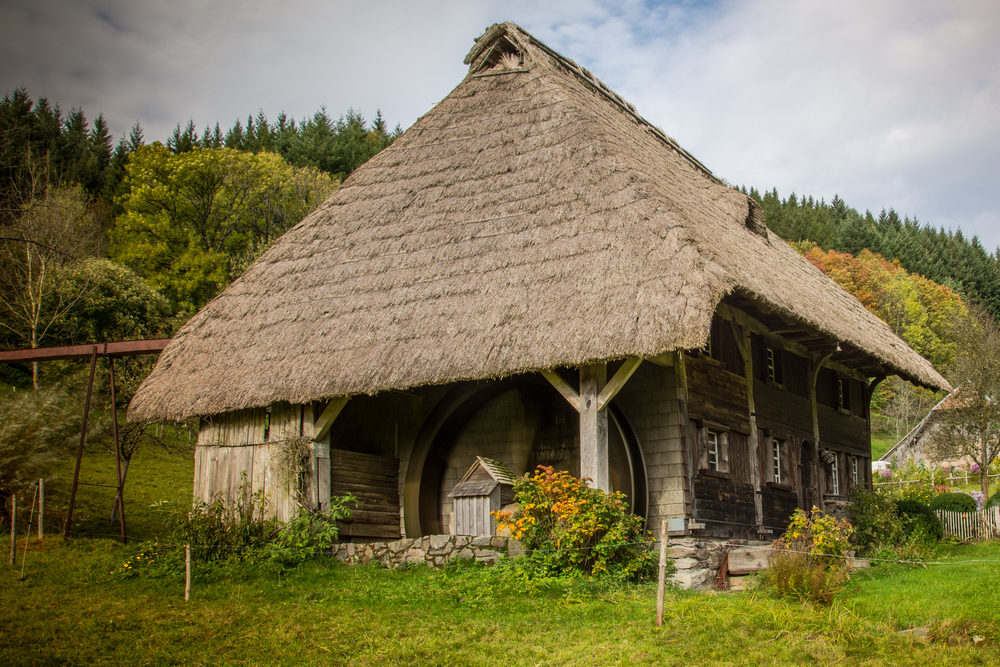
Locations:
(920, 311)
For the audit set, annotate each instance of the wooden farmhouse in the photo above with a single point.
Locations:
(919, 447)
(535, 274)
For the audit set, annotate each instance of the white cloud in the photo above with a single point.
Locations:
(888, 103)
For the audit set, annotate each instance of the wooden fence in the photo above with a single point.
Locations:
(984, 525)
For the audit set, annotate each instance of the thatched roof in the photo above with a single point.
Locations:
(531, 220)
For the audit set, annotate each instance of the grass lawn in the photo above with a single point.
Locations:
(71, 609)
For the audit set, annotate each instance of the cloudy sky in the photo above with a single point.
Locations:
(888, 103)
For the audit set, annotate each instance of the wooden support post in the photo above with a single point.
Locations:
(41, 509)
(323, 423)
(594, 427)
(187, 572)
(745, 347)
(13, 528)
(869, 393)
(661, 581)
(591, 402)
(321, 470)
(83, 439)
(616, 383)
(817, 361)
(563, 388)
(680, 381)
(119, 495)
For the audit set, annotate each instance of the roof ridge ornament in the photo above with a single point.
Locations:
(501, 49)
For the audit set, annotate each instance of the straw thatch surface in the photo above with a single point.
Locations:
(530, 220)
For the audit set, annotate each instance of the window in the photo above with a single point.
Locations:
(844, 394)
(776, 447)
(712, 446)
(854, 470)
(834, 478)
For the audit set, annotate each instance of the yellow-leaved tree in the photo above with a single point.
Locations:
(193, 221)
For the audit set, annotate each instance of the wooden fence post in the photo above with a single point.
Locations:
(41, 509)
(661, 582)
(187, 572)
(13, 528)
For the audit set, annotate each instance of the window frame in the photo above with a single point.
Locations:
(777, 455)
(706, 451)
(713, 450)
(835, 476)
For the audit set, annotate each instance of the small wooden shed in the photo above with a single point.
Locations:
(486, 487)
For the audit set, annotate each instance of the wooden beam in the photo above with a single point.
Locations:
(594, 427)
(680, 381)
(126, 348)
(742, 337)
(323, 423)
(666, 359)
(817, 361)
(617, 382)
(563, 388)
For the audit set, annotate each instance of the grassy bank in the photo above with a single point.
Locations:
(76, 607)
(71, 609)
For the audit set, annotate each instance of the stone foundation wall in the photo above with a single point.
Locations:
(697, 559)
(433, 550)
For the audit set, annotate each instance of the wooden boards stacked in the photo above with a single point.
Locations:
(374, 481)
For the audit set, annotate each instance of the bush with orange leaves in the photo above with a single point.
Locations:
(566, 526)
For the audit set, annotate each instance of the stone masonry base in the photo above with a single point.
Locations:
(697, 559)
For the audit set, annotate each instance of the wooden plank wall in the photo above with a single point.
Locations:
(779, 409)
(715, 394)
(473, 514)
(243, 443)
(725, 506)
(847, 432)
(374, 481)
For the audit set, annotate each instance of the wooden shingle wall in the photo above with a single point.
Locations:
(650, 402)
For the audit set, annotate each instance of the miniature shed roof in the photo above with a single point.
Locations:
(531, 220)
(481, 478)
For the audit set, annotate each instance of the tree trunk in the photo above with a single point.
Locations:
(34, 364)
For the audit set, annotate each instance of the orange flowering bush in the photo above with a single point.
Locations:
(565, 526)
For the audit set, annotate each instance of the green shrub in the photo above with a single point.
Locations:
(218, 533)
(810, 560)
(922, 492)
(953, 502)
(875, 521)
(919, 521)
(36, 427)
(308, 533)
(566, 526)
(244, 534)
